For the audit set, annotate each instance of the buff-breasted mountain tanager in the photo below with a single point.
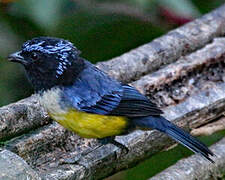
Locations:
(85, 100)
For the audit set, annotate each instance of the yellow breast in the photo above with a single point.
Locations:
(91, 125)
(84, 124)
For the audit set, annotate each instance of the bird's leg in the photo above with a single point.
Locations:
(112, 140)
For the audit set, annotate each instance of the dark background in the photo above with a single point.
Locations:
(101, 29)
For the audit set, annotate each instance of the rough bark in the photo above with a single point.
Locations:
(190, 89)
(22, 116)
(210, 128)
(13, 167)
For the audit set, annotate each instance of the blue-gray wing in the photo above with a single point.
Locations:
(95, 92)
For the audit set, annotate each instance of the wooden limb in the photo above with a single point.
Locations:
(210, 128)
(14, 167)
(22, 116)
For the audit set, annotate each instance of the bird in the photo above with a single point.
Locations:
(87, 101)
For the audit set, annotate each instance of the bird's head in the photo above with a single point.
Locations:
(49, 62)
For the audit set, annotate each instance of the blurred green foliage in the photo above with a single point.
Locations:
(101, 29)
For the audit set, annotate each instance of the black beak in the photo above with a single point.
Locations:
(16, 57)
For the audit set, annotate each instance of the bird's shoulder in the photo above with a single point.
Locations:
(89, 88)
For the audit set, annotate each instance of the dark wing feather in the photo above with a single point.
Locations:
(134, 104)
(105, 105)
(130, 103)
(95, 92)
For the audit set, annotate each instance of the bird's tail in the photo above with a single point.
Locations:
(178, 134)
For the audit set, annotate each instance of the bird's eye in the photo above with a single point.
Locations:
(34, 55)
